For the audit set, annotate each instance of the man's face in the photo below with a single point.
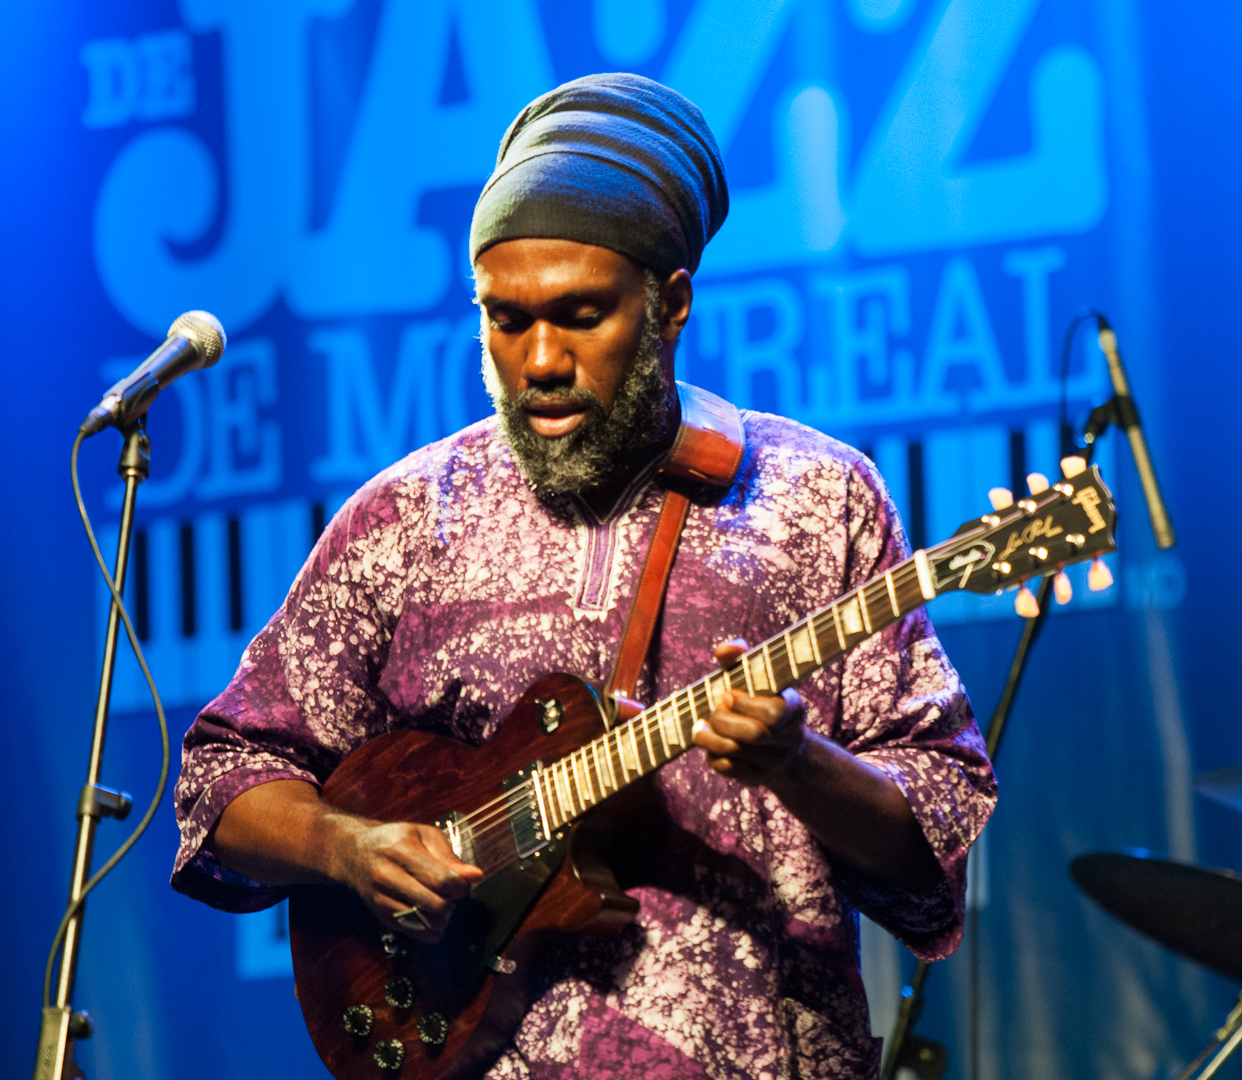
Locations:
(560, 315)
(573, 333)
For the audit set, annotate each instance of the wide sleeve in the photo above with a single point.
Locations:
(306, 692)
(903, 709)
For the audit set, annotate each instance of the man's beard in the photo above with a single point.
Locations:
(606, 444)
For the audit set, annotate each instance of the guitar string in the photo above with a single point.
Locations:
(649, 721)
(485, 822)
(491, 817)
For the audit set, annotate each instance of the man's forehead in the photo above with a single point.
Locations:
(541, 270)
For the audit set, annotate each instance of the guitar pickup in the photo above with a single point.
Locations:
(525, 819)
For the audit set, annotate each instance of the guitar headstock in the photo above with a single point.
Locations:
(1056, 525)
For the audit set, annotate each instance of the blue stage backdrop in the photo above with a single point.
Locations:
(923, 193)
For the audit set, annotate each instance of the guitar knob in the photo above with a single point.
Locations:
(433, 1029)
(399, 993)
(1073, 465)
(390, 1054)
(1000, 498)
(1037, 483)
(358, 1020)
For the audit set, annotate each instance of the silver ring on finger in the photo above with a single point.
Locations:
(411, 919)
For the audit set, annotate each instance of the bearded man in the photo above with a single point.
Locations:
(455, 578)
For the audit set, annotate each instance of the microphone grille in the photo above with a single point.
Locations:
(205, 328)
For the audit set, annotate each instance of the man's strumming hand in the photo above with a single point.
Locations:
(394, 867)
(282, 833)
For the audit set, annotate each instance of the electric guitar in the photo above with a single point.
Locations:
(378, 1004)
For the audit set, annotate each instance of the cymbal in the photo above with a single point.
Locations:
(1222, 785)
(1190, 909)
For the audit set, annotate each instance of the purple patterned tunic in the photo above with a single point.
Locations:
(444, 587)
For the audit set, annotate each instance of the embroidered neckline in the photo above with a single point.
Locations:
(597, 570)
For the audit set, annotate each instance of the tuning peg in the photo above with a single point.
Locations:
(1099, 577)
(1073, 465)
(1025, 604)
(1000, 498)
(1062, 589)
(1037, 482)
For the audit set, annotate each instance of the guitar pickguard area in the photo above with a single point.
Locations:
(447, 973)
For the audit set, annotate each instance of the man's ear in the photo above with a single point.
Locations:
(676, 298)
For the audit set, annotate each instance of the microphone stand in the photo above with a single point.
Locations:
(61, 1025)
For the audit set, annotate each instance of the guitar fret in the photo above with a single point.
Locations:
(638, 761)
(694, 710)
(819, 639)
(571, 764)
(711, 693)
(750, 685)
(814, 636)
(892, 594)
(647, 739)
(790, 658)
(836, 620)
(612, 776)
(786, 676)
(592, 784)
(554, 792)
(663, 733)
(599, 772)
(554, 797)
(625, 774)
(563, 779)
(675, 720)
(683, 731)
(758, 681)
(586, 775)
(767, 662)
(866, 615)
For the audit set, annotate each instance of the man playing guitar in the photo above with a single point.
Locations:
(461, 574)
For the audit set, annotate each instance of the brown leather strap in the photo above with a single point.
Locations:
(709, 444)
(708, 450)
(649, 597)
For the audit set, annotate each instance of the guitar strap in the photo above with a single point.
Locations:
(708, 450)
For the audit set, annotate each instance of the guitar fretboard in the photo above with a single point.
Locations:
(571, 786)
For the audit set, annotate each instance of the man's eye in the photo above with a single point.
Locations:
(587, 318)
(507, 324)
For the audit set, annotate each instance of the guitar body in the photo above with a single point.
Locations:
(453, 1006)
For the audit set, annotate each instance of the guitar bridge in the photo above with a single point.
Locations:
(525, 815)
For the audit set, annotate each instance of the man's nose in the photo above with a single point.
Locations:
(548, 358)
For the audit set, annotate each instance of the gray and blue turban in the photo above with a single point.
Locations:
(618, 161)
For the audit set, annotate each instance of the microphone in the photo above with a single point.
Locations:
(196, 340)
(1127, 417)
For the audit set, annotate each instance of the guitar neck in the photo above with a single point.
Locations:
(569, 787)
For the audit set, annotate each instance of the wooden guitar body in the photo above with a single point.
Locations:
(453, 1006)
